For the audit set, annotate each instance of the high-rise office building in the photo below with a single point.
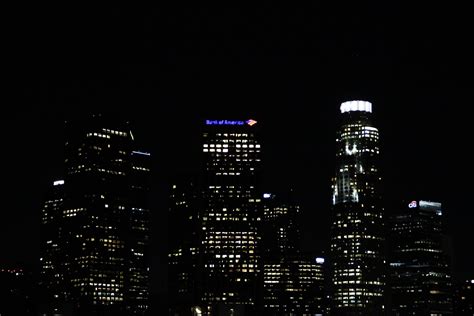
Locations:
(229, 218)
(52, 252)
(137, 283)
(101, 227)
(420, 277)
(357, 232)
(184, 247)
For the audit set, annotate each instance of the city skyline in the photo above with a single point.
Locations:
(172, 69)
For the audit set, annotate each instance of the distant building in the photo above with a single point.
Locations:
(17, 292)
(293, 283)
(280, 227)
(184, 247)
(464, 299)
(95, 224)
(52, 269)
(420, 273)
(357, 234)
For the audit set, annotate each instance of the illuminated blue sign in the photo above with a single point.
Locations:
(227, 122)
(224, 122)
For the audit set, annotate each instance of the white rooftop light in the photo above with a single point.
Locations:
(320, 260)
(351, 106)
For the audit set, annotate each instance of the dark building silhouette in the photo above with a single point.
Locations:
(184, 247)
(420, 273)
(97, 222)
(293, 282)
(294, 285)
(357, 232)
(464, 299)
(280, 228)
(17, 291)
(52, 278)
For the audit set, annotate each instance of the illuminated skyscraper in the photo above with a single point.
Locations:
(230, 217)
(420, 273)
(101, 227)
(52, 252)
(357, 232)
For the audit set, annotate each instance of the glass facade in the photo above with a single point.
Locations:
(420, 273)
(357, 231)
(294, 285)
(229, 218)
(101, 225)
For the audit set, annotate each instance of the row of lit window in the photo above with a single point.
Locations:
(111, 131)
(98, 135)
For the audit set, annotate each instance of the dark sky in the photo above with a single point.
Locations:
(289, 66)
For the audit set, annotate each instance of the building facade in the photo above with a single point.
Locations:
(102, 223)
(420, 272)
(184, 274)
(18, 291)
(293, 282)
(280, 227)
(464, 298)
(229, 217)
(294, 285)
(357, 232)
(52, 252)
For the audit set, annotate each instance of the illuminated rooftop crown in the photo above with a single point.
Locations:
(350, 106)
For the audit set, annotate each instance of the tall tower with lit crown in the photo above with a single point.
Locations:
(357, 232)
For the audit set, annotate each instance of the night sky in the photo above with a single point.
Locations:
(289, 67)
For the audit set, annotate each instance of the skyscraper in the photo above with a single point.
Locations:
(52, 252)
(230, 216)
(420, 272)
(102, 226)
(357, 232)
(184, 247)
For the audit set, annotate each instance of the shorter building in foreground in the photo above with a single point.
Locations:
(294, 286)
(183, 252)
(293, 282)
(17, 292)
(464, 299)
(420, 275)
